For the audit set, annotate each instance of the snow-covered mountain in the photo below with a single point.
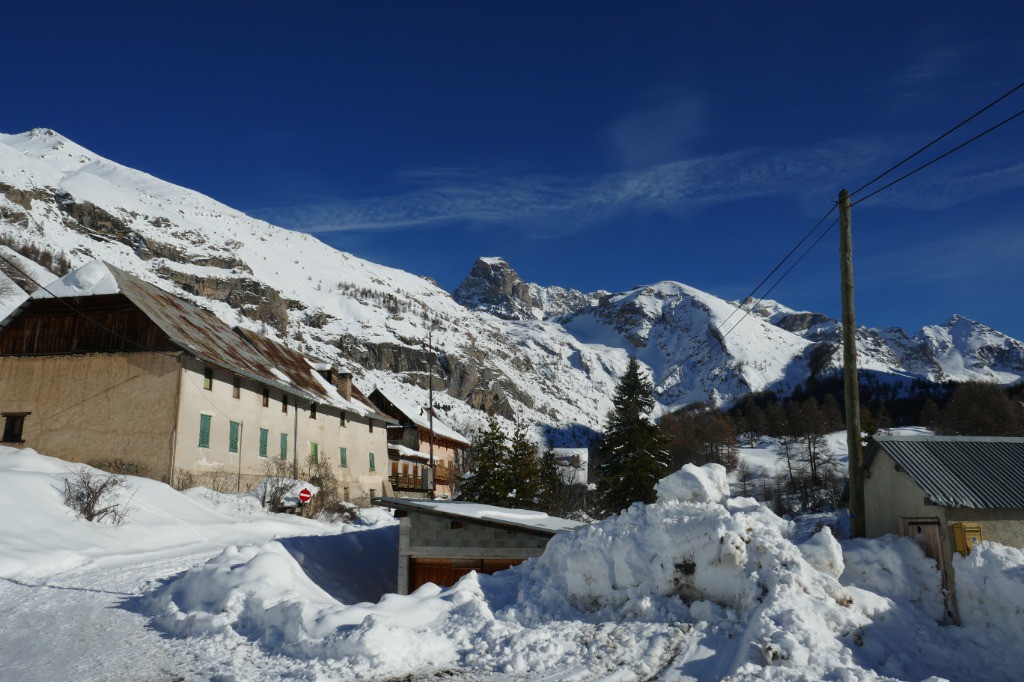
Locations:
(548, 355)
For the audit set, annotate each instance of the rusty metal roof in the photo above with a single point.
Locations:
(247, 353)
(960, 471)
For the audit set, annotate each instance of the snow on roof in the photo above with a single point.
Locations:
(418, 416)
(407, 452)
(92, 279)
(524, 519)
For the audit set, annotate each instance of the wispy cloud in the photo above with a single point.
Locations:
(539, 205)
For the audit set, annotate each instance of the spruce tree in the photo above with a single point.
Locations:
(523, 470)
(549, 497)
(487, 477)
(631, 453)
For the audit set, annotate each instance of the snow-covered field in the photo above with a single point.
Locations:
(699, 585)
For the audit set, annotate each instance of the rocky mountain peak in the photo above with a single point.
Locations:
(492, 286)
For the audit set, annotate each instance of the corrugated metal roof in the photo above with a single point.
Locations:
(960, 471)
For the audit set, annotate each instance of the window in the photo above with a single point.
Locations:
(312, 410)
(234, 431)
(371, 426)
(373, 466)
(342, 417)
(14, 424)
(266, 397)
(284, 446)
(284, 402)
(314, 453)
(208, 378)
(204, 430)
(236, 387)
(343, 457)
(264, 437)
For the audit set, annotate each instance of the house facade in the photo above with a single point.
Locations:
(115, 368)
(946, 493)
(414, 444)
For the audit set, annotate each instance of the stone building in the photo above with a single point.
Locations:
(115, 368)
(441, 541)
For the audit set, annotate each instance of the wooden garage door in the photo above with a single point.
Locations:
(446, 572)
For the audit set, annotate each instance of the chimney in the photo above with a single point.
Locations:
(343, 382)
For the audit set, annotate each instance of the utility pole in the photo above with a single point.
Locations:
(851, 393)
(430, 405)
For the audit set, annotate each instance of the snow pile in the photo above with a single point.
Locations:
(990, 591)
(896, 568)
(92, 279)
(709, 483)
(260, 591)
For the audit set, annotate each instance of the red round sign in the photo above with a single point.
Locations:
(305, 495)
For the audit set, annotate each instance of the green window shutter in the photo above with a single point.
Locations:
(343, 457)
(314, 453)
(264, 435)
(373, 466)
(284, 446)
(204, 430)
(234, 430)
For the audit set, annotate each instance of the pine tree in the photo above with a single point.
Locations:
(486, 478)
(550, 494)
(631, 453)
(523, 470)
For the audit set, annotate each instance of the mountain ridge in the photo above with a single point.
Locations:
(548, 355)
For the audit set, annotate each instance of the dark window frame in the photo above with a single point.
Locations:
(208, 378)
(14, 426)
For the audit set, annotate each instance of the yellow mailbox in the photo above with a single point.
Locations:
(966, 536)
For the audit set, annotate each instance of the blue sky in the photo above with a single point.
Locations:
(595, 145)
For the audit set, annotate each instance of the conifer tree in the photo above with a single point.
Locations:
(523, 470)
(549, 496)
(631, 453)
(486, 478)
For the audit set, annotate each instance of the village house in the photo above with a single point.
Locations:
(441, 541)
(115, 368)
(946, 492)
(410, 443)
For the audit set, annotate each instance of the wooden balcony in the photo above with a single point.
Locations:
(409, 483)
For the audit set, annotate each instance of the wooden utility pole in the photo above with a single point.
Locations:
(430, 407)
(851, 391)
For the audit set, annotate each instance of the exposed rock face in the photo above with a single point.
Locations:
(492, 286)
(252, 298)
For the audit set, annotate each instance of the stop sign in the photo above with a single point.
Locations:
(305, 495)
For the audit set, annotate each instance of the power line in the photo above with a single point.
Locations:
(940, 157)
(941, 137)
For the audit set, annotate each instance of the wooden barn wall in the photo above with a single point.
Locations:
(102, 324)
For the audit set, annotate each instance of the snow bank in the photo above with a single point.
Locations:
(896, 568)
(40, 536)
(990, 591)
(695, 586)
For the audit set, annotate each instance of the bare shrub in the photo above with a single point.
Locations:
(91, 495)
(276, 484)
(217, 481)
(327, 505)
(122, 467)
